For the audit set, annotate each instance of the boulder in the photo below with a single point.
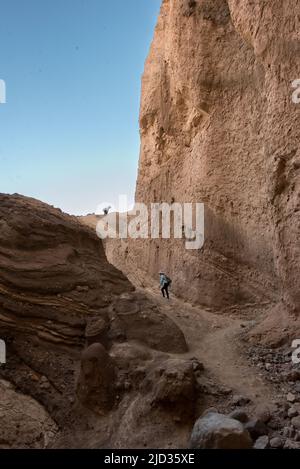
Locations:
(96, 331)
(291, 397)
(262, 442)
(145, 323)
(292, 412)
(96, 382)
(288, 432)
(174, 386)
(297, 387)
(277, 442)
(296, 422)
(217, 431)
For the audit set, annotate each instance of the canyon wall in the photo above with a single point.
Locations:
(218, 125)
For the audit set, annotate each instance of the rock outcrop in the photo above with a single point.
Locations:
(218, 125)
(96, 386)
(82, 344)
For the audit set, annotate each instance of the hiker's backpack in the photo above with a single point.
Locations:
(169, 281)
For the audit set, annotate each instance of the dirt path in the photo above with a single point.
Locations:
(215, 339)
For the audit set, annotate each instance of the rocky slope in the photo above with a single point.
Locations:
(218, 126)
(87, 355)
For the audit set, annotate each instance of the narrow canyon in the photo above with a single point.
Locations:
(96, 357)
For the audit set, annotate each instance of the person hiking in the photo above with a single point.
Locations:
(164, 282)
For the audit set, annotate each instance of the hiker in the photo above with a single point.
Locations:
(165, 282)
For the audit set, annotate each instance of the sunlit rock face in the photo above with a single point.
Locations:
(218, 125)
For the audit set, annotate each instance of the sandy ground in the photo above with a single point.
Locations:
(217, 341)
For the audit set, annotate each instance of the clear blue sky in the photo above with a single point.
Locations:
(69, 130)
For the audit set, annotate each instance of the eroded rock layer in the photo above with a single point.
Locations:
(87, 355)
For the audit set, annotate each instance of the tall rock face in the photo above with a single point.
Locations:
(218, 125)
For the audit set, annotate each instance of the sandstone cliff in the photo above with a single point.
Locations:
(218, 126)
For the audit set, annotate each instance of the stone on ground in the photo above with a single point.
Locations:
(217, 431)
